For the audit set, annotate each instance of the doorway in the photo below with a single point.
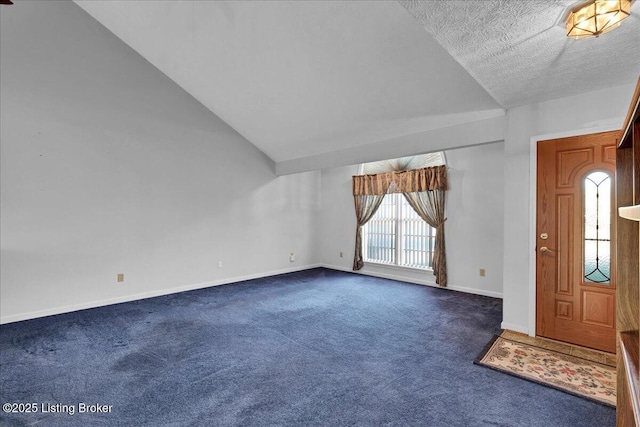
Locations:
(575, 237)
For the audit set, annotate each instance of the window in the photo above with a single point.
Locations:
(396, 235)
(597, 228)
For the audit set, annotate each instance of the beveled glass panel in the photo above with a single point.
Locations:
(590, 210)
(604, 210)
(597, 228)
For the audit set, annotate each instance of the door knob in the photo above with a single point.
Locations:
(545, 250)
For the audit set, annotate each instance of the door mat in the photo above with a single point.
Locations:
(550, 368)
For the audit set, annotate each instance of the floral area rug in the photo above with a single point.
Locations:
(570, 374)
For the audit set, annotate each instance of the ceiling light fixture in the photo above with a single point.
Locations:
(596, 17)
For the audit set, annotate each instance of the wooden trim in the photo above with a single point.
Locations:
(628, 269)
(629, 368)
(628, 296)
(632, 116)
(634, 138)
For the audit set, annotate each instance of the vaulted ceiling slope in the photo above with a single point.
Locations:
(300, 79)
(314, 84)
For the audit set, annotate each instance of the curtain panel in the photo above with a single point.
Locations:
(415, 180)
(366, 207)
(423, 188)
(429, 205)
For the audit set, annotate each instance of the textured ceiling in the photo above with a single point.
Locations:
(518, 51)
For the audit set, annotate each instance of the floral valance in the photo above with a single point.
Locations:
(415, 180)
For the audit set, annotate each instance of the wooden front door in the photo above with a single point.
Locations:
(575, 227)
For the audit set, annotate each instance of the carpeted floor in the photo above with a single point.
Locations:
(318, 347)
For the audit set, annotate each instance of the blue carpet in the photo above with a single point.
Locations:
(318, 347)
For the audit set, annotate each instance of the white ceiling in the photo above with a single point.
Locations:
(305, 79)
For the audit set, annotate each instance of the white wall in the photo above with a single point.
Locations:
(109, 167)
(337, 221)
(587, 113)
(473, 230)
(475, 218)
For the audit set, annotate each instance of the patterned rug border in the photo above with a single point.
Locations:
(485, 350)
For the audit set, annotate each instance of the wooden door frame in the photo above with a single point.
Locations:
(533, 187)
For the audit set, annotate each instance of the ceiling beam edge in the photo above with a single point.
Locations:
(458, 136)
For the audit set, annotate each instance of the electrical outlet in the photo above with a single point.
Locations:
(219, 264)
(120, 277)
(482, 272)
(292, 257)
(340, 254)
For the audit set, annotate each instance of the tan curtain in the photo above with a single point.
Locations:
(366, 207)
(425, 179)
(429, 205)
(423, 188)
(368, 193)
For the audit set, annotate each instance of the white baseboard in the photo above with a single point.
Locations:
(424, 282)
(145, 295)
(482, 292)
(226, 281)
(337, 267)
(514, 327)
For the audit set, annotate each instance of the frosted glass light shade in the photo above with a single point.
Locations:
(630, 212)
(596, 17)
